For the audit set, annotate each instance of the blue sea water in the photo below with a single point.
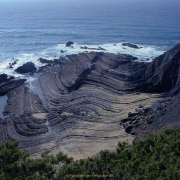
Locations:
(30, 29)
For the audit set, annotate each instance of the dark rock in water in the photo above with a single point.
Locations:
(85, 47)
(62, 51)
(134, 58)
(8, 84)
(3, 77)
(55, 61)
(12, 64)
(127, 56)
(29, 67)
(130, 45)
(99, 48)
(45, 60)
(69, 43)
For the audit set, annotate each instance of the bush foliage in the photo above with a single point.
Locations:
(157, 157)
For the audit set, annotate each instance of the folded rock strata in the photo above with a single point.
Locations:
(75, 107)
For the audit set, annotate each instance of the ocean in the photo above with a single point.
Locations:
(40, 28)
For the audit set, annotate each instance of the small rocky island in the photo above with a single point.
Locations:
(90, 101)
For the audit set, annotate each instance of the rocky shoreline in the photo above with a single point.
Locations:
(80, 105)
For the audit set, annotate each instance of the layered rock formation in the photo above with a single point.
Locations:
(77, 103)
(163, 74)
(9, 83)
(75, 107)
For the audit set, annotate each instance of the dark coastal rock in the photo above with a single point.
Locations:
(12, 64)
(128, 128)
(45, 60)
(85, 47)
(48, 62)
(69, 43)
(162, 74)
(3, 78)
(29, 67)
(57, 61)
(8, 84)
(130, 45)
(98, 49)
(130, 57)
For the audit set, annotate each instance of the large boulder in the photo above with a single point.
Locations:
(29, 67)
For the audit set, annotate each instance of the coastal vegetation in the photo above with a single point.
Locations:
(156, 157)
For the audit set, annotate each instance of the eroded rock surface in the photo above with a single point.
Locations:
(9, 83)
(163, 74)
(76, 105)
(83, 100)
(163, 114)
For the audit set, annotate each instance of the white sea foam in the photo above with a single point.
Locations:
(144, 53)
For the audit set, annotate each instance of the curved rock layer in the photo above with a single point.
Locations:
(75, 107)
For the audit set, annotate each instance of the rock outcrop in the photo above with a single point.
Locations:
(162, 75)
(8, 84)
(80, 103)
(29, 67)
(130, 45)
(155, 119)
(69, 43)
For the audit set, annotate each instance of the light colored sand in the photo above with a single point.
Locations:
(88, 138)
(40, 115)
